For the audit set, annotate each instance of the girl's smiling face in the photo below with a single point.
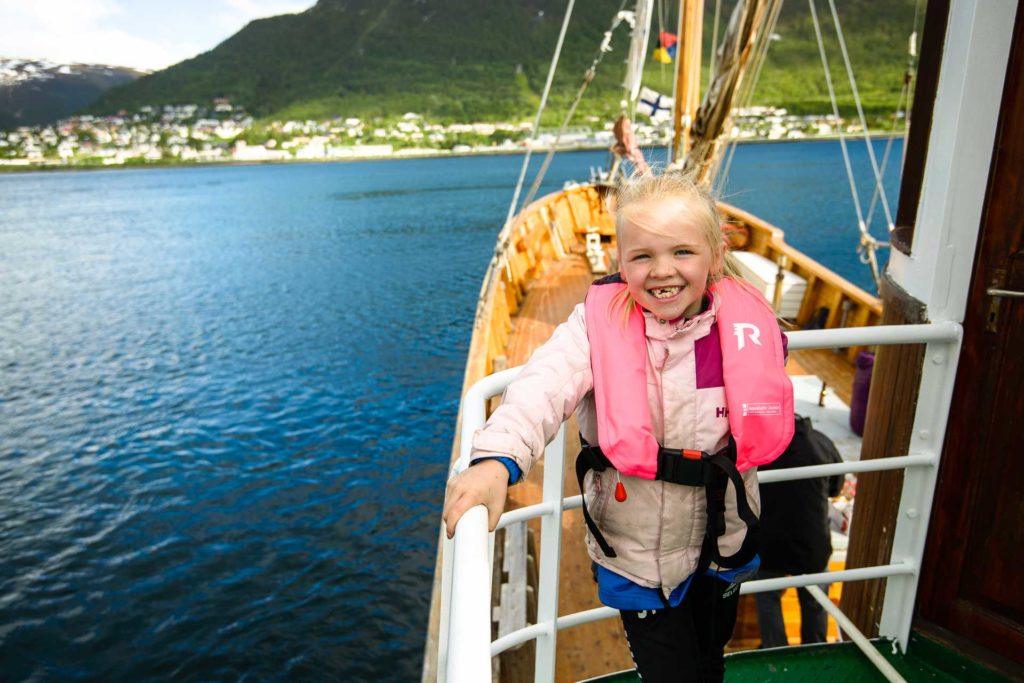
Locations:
(665, 258)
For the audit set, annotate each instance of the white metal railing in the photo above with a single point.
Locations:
(465, 647)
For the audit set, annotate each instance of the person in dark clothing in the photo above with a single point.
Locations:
(795, 536)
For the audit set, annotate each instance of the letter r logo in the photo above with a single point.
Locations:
(752, 330)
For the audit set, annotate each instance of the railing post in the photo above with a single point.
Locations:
(462, 567)
(934, 398)
(447, 553)
(550, 559)
(470, 616)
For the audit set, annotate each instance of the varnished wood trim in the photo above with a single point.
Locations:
(769, 240)
(892, 403)
(979, 655)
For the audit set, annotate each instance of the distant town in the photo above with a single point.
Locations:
(222, 132)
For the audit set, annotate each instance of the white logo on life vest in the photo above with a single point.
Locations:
(762, 409)
(752, 330)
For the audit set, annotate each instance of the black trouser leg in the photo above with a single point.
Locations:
(718, 600)
(685, 643)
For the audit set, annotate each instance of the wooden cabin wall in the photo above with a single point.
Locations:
(916, 150)
(892, 403)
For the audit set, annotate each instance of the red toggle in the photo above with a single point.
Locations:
(692, 455)
(620, 492)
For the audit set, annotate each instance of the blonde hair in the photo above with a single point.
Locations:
(646, 187)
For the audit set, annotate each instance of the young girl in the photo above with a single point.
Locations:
(641, 364)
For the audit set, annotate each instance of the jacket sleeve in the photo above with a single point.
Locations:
(544, 395)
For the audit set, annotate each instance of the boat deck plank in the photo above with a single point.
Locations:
(831, 367)
(548, 302)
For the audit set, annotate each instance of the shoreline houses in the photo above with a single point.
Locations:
(226, 133)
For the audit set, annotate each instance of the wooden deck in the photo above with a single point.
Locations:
(831, 366)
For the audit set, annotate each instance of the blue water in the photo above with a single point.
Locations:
(227, 399)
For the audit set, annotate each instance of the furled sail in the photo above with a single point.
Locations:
(747, 29)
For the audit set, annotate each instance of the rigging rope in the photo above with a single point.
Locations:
(747, 96)
(908, 78)
(860, 113)
(885, 163)
(676, 65)
(747, 92)
(904, 92)
(588, 77)
(714, 114)
(506, 229)
(638, 50)
(536, 123)
(867, 242)
(714, 41)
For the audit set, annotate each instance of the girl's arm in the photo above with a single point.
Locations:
(533, 407)
(542, 397)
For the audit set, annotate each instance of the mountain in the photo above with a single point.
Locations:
(465, 60)
(461, 59)
(37, 92)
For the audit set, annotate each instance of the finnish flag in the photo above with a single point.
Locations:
(655, 105)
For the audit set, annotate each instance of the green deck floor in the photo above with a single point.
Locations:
(925, 660)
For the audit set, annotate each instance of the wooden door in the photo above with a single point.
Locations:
(973, 580)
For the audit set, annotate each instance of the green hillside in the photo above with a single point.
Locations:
(473, 60)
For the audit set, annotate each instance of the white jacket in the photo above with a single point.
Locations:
(658, 530)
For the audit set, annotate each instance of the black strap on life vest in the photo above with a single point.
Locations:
(724, 466)
(688, 468)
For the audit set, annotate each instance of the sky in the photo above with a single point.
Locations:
(144, 34)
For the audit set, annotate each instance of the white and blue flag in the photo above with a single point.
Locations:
(655, 105)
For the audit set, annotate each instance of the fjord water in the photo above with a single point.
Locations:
(227, 397)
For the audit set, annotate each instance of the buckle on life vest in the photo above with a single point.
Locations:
(681, 466)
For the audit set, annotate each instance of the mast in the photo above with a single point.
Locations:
(691, 21)
(747, 28)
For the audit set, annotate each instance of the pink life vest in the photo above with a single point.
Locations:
(759, 394)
